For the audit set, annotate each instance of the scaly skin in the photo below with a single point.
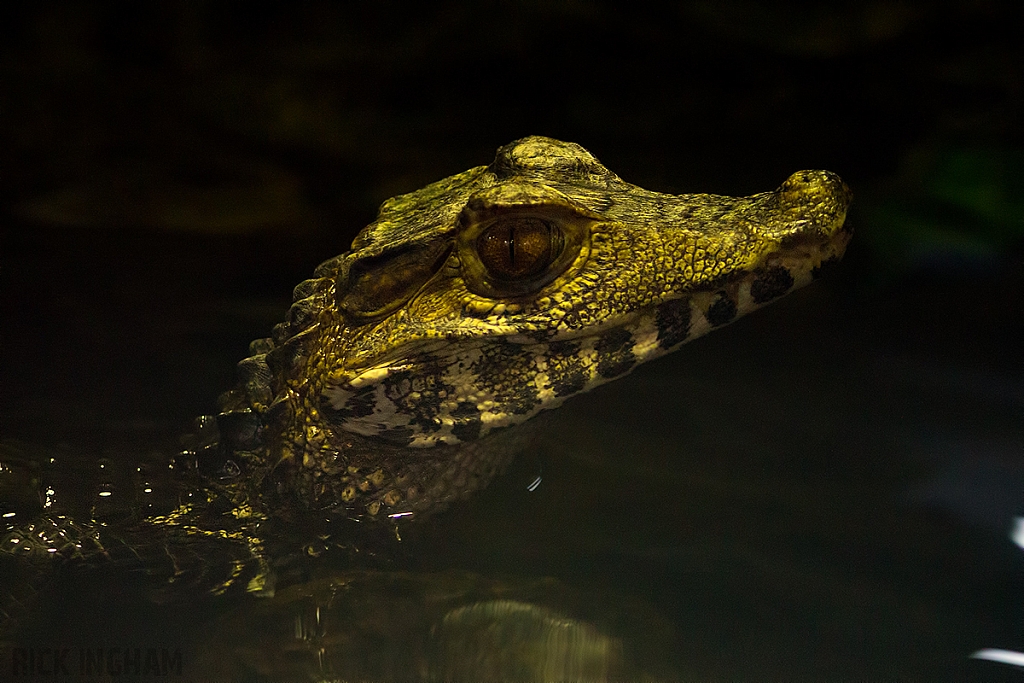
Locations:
(467, 307)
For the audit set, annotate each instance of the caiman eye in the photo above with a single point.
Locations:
(519, 248)
(513, 247)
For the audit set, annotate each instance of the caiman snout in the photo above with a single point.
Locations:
(814, 203)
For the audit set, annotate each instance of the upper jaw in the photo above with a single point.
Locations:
(809, 204)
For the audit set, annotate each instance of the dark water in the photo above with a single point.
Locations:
(825, 490)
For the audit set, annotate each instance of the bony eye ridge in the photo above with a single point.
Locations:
(519, 247)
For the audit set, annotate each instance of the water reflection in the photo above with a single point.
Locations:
(449, 626)
(994, 654)
(1017, 533)
(1001, 656)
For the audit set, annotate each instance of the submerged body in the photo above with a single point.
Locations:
(466, 308)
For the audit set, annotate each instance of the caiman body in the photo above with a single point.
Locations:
(463, 310)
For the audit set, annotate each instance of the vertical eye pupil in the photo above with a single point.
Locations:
(517, 248)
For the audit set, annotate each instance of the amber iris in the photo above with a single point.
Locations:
(518, 248)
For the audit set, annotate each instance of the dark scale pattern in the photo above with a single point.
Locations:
(567, 373)
(506, 370)
(399, 435)
(673, 321)
(723, 310)
(467, 422)
(771, 283)
(418, 393)
(359, 404)
(614, 353)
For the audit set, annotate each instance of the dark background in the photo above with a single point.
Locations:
(168, 171)
(161, 155)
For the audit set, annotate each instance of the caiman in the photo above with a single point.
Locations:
(404, 365)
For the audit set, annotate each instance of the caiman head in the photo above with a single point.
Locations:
(483, 299)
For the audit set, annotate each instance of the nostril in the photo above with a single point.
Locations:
(820, 197)
(802, 184)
